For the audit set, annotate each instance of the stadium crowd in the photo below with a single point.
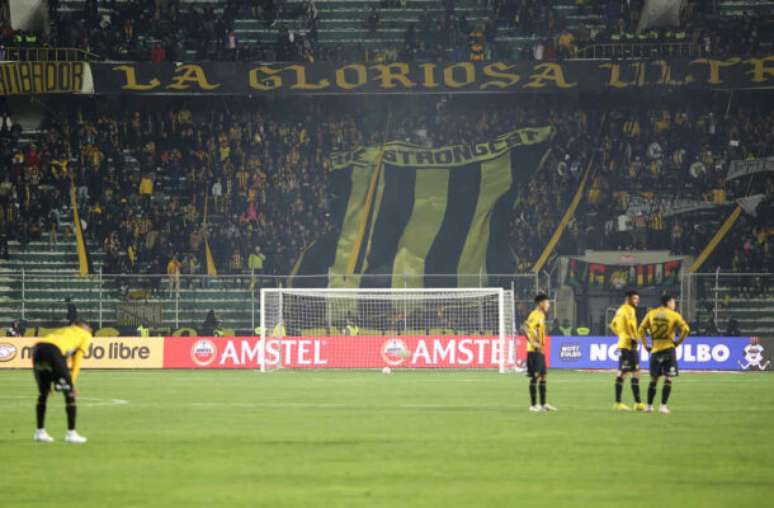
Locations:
(143, 174)
(142, 179)
(155, 30)
(651, 158)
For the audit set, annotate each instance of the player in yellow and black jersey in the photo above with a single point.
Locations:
(49, 362)
(534, 329)
(624, 325)
(661, 324)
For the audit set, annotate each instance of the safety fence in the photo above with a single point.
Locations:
(45, 54)
(715, 303)
(231, 303)
(730, 302)
(638, 50)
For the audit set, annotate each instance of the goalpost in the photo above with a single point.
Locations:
(443, 328)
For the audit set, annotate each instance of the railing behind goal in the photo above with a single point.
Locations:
(397, 328)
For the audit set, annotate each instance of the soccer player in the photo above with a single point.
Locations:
(49, 362)
(661, 324)
(534, 329)
(624, 325)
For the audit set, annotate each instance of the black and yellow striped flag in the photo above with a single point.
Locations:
(84, 258)
(212, 270)
(404, 211)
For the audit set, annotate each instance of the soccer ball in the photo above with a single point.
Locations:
(386, 370)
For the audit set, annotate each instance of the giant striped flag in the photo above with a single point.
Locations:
(403, 212)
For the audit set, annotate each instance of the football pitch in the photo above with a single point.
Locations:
(357, 438)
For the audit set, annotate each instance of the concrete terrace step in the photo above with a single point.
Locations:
(191, 316)
(61, 244)
(44, 266)
(745, 7)
(50, 257)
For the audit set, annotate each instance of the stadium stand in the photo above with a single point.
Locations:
(140, 178)
(144, 169)
(376, 30)
(303, 252)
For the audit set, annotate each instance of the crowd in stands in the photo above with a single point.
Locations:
(657, 180)
(142, 179)
(143, 174)
(152, 30)
(168, 30)
(680, 152)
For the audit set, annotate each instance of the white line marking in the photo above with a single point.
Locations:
(16, 401)
(332, 405)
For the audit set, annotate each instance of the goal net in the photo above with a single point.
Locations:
(440, 328)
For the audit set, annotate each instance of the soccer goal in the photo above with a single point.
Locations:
(455, 328)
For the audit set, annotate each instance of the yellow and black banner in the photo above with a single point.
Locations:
(27, 78)
(234, 78)
(212, 270)
(84, 258)
(406, 210)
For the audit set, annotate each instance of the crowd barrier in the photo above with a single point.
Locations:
(443, 352)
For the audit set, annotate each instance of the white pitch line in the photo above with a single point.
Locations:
(16, 401)
(326, 405)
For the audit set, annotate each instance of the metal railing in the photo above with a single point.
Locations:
(733, 301)
(165, 301)
(710, 301)
(45, 54)
(715, 303)
(635, 50)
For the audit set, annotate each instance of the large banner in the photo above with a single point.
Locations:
(751, 354)
(341, 352)
(26, 78)
(430, 77)
(581, 274)
(402, 211)
(104, 352)
(696, 353)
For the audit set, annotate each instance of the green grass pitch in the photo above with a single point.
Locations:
(424, 439)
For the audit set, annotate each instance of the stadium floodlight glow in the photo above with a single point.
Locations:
(453, 328)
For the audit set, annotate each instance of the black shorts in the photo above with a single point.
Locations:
(664, 363)
(536, 364)
(50, 367)
(629, 360)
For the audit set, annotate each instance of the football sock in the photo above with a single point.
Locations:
(666, 391)
(533, 391)
(542, 388)
(40, 410)
(651, 392)
(71, 411)
(636, 389)
(618, 388)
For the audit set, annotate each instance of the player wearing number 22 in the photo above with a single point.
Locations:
(661, 324)
(534, 329)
